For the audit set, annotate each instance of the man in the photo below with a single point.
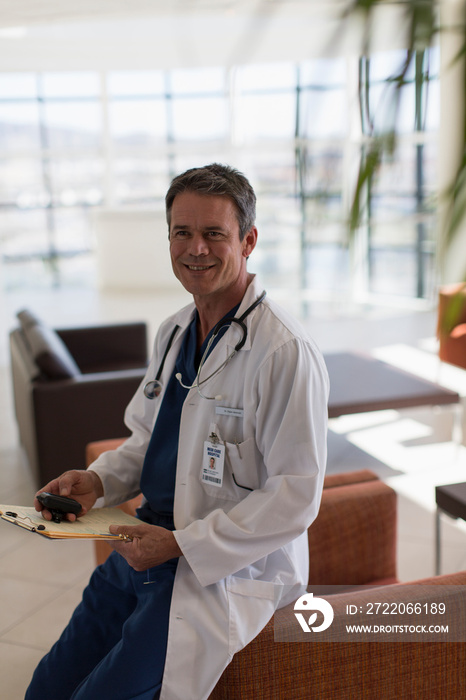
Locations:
(217, 551)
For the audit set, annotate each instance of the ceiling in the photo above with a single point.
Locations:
(138, 34)
(33, 12)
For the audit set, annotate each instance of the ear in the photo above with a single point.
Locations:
(249, 242)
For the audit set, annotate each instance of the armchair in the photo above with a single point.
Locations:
(351, 542)
(376, 670)
(71, 387)
(451, 324)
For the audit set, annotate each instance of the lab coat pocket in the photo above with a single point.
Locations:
(251, 605)
(243, 460)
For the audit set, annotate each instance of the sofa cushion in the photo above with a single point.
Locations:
(49, 352)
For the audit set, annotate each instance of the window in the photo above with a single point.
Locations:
(71, 142)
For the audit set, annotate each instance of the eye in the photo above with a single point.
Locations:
(214, 234)
(179, 233)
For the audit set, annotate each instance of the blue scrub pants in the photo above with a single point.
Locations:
(114, 646)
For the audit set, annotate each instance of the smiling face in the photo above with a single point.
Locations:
(205, 248)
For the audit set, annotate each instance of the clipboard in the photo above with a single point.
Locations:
(92, 526)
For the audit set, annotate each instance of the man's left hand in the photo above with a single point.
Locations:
(149, 545)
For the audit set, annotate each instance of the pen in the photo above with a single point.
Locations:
(13, 518)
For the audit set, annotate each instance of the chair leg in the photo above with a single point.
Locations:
(437, 543)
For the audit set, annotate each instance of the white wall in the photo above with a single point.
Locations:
(132, 250)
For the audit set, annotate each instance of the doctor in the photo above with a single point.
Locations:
(228, 448)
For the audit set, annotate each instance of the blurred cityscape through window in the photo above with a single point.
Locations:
(71, 143)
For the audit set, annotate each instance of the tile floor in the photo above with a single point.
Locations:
(413, 450)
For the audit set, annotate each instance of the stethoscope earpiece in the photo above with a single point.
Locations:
(178, 376)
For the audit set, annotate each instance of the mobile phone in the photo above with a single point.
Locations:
(59, 506)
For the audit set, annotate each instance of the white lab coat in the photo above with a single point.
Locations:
(245, 552)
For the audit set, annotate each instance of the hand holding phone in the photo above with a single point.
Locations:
(81, 484)
(59, 506)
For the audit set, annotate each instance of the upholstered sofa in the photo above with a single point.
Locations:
(352, 543)
(71, 386)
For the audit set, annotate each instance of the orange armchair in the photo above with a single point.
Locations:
(353, 539)
(378, 670)
(351, 542)
(451, 324)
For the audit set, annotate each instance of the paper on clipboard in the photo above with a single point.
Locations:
(93, 525)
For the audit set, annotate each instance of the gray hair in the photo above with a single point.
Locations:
(217, 180)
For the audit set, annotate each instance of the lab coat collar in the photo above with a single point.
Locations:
(252, 293)
(184, 317)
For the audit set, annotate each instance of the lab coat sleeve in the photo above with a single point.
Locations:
(290, 393)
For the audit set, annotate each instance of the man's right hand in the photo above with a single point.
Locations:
(84, 486)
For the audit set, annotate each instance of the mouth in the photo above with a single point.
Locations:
(198, 268)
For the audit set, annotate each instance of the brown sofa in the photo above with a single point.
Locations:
(351, 543)
(71, 387)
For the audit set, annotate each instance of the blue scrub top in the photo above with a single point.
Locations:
(159, 469)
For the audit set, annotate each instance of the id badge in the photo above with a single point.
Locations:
(212, 463)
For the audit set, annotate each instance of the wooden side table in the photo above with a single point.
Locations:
(450, 499)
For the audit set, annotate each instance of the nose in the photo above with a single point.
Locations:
(198, 245)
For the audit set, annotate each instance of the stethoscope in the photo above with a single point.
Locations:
(153, 388)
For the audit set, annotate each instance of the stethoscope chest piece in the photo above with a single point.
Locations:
(152, 389)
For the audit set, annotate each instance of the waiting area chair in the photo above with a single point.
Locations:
(71, 387)
(352, 542)
(451, 324)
